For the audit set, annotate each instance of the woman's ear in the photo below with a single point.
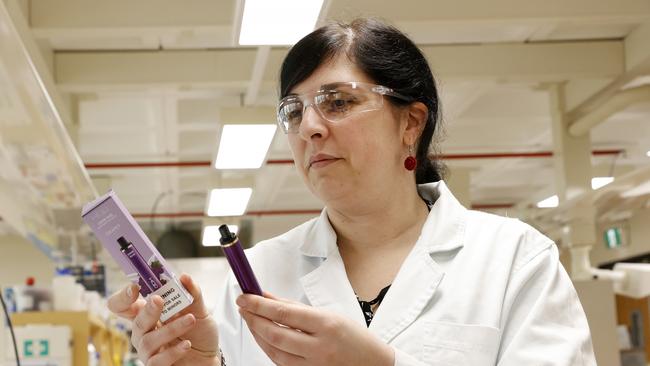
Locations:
(416, 119)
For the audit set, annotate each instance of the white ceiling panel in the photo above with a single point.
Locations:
(509, 102)
(76, 42)
(586, 30)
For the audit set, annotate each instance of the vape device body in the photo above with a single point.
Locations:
(237, 259)
(139, 264)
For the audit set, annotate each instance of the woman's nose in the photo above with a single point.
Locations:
(312, 124)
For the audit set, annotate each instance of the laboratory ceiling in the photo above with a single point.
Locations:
(153, 81)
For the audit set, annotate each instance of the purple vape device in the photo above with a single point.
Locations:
(140, 264)
(238, 262)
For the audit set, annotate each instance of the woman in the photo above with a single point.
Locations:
(394, 271)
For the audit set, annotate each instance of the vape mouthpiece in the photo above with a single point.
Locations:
(123, 242)
(226, 236)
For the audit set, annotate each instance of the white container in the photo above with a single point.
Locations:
(93, 302)
(24, 302)
(80, 297)
(67, 294)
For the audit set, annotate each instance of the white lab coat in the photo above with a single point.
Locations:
(476, 289)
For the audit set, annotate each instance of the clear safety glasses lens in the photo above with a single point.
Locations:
(332, 105)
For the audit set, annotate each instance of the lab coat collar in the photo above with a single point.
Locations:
(320, 241)
(327, 286)
(444, 227)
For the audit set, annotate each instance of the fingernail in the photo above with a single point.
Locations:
(157, 300)
(129, 291)
(241, 301)
(186, 344)
(188, 320)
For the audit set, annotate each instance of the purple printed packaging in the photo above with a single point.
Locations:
(121, 235)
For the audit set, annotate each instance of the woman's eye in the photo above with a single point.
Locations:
(294, 114)
(339, 101)
(293, 111)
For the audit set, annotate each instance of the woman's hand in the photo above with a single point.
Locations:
(291, 334)
(190, 338)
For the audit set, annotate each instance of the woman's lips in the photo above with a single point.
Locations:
(321, 160)
(322, 163)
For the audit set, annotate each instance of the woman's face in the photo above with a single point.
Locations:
(356, 157)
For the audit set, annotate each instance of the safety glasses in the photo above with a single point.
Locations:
(334, 102)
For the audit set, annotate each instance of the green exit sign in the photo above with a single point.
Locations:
(36, 348)
(613, 237)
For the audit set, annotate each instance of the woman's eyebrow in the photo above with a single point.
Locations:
(329, 86)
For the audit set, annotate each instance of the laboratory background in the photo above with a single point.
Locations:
(172, 105)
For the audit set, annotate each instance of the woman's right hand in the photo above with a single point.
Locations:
(190, 338)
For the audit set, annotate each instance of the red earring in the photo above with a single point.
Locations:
(410, 163)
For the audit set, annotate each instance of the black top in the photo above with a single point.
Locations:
(366, 306)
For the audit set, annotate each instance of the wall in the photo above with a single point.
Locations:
(20, 259)
(638, 240)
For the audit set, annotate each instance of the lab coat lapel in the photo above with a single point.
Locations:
(417, 281)
(420, 275)
(327, 286)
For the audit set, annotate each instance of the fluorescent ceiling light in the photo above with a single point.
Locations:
(211, 235)
(647, 154)
(278, 22)
(228, 201)
(244, 146)
(598, 182)
(548, 203)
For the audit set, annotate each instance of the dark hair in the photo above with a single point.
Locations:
(388, 57)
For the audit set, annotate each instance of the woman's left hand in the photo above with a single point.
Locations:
(291, 334)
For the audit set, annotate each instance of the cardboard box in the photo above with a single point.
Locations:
(123, 238)
(635, 315)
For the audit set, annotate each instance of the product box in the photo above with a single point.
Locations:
(139, 259)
